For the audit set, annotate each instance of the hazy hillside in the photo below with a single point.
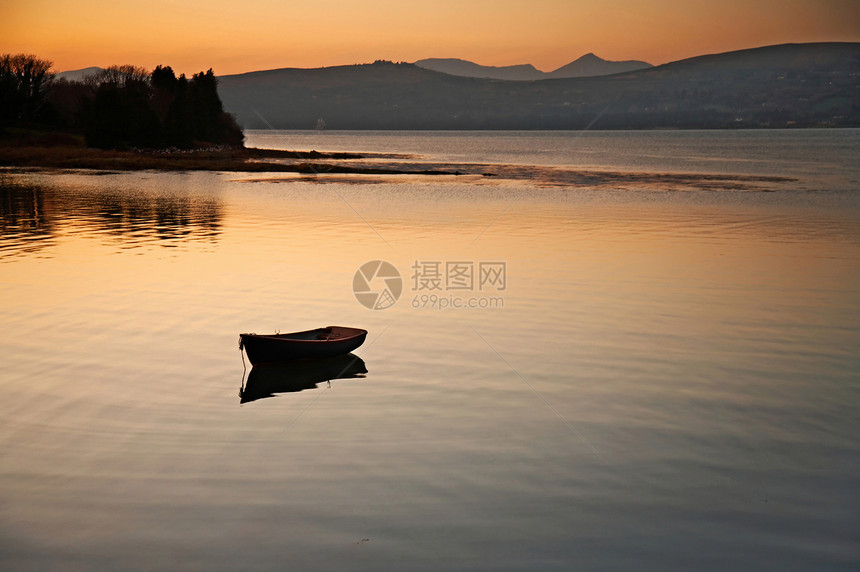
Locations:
(775, 86)
(453, 66)
(78, 75)
(587, 65)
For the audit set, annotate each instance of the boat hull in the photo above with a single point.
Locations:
(320, 343)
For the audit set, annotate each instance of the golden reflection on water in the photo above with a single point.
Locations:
(308, 238)
(704, 346)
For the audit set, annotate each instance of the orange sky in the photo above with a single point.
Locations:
(233, 37)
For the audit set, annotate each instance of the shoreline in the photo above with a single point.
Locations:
(244, 160)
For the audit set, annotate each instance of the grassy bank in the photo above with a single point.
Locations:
(57, 150)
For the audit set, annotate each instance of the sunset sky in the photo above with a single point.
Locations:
(234, 37)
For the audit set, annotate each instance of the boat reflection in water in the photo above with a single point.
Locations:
(266, 380)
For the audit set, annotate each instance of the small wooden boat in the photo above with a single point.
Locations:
(320, 343)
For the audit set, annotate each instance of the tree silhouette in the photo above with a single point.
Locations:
(170, 102)
(120, 106)
(67, 104)
(23, 82)
(119, 76)
(122, 116)
(132, 108)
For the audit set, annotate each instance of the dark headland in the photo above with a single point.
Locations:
(127, 118)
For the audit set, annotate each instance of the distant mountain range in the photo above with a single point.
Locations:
(587, 65)
(774, 86)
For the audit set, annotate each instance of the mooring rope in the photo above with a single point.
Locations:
(244, 369)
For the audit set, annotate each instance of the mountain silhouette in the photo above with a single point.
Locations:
(585, 66)
(590, 65)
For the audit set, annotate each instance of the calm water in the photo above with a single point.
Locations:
(667, 377)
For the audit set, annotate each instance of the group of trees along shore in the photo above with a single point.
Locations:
(118, 107)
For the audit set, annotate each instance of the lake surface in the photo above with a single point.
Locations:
(634, 350)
